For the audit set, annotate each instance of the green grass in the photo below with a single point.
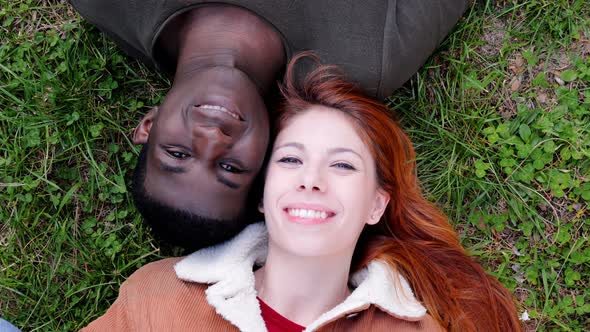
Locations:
(500, 117)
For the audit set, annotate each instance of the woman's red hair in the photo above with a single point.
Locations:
(413, 236)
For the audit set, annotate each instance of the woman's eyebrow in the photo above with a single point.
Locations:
(344, 150)
(290, 144)
(330, 151)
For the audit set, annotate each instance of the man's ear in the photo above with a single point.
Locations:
(141, 133)
(379, 206)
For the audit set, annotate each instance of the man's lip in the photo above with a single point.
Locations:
(223, 102)
(217, 111)
(208, 118)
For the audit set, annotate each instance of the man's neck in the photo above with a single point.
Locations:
(229, 36)
(302, 288)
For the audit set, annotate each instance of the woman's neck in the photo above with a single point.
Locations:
(302, 288)
(219, 35)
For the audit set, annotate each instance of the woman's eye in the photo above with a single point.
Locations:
(230, 168)
(345, 166)
(289, 160)
(178, 154)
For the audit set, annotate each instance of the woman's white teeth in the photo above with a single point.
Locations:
(308, 214)
(219, 109)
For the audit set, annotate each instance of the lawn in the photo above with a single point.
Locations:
(499, 115)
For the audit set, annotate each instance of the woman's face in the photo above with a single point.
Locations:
(321, 186)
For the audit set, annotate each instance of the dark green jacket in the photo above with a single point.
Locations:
(379, 44)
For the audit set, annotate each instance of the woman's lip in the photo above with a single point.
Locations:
(307, 221)
(324, 214)
(309, 206)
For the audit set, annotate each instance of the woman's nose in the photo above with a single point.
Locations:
(312, 179)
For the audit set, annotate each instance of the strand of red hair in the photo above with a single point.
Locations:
(413, 236)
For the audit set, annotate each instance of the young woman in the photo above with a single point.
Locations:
(350, 243)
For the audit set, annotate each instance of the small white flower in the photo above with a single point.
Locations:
(516, 252)
(525, 316)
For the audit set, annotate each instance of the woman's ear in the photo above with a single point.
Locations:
(142, 131)
(261, 207)
(379, 206)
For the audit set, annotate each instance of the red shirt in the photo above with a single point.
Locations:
(275, 322)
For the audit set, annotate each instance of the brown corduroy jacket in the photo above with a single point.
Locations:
(213, 290)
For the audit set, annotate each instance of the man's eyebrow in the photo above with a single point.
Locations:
(180, 170)
(228, 183)
(290, 144)
(172, 169)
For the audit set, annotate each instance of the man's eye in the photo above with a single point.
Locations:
(230, 168)
(345, 166)
(178, 154)
(289, 160)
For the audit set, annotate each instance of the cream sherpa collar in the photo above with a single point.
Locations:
(228, 268)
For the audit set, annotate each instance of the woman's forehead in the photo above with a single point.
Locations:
(321, 126)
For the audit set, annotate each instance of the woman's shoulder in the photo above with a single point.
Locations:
(392, 323)
(160, 277)
(153, 298)
(375, 319)
(160, 268)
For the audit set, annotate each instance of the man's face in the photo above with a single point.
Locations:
(207, 143)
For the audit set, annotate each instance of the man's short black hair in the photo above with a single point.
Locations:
(178, 227)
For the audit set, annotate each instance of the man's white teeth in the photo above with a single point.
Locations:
(219, 109)
(308, 214)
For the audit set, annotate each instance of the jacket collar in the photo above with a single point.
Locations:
(227, 267)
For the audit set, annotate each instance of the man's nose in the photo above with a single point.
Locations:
(210, 142)
(312, 179)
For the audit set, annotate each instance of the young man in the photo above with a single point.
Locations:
(204, 146)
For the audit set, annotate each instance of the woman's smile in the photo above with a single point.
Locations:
(308, 214)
